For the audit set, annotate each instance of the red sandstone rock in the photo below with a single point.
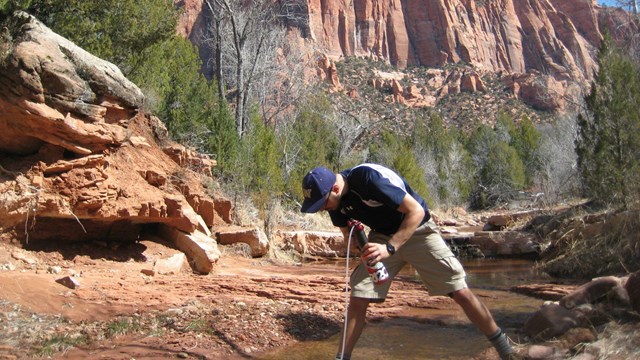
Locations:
(254, 237)
(592, 292)
(91, 162)
(314, 243)
(554, 40)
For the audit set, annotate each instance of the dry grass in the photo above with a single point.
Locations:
(617, 342)
(43, 334)
(588, 250)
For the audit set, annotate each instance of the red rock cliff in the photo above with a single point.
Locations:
(551, 36)
(522, 40)
(556, 37)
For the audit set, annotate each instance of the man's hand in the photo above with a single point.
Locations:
(374, 252)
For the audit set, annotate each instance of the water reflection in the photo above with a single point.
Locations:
(413, 336)
(501, 273)
(396, 339)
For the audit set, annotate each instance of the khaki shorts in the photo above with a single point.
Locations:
(426, 251)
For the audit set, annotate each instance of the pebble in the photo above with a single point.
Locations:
(54, 270)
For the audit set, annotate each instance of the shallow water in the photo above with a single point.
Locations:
(410, 336)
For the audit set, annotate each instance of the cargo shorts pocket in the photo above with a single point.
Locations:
(452, 263)
(443, 254)
(438, 248)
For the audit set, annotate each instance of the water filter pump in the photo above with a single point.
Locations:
(377, 271)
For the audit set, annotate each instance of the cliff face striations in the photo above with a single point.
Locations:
(536, 47)
(516, 36)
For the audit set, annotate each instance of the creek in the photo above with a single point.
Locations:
(426, 333)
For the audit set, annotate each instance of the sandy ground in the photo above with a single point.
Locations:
(245, 308)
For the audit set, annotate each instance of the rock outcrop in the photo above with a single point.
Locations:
(80, 160)
(591, 304)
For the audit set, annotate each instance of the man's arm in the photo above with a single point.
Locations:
(414, 213)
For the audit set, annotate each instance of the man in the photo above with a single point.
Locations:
(401, 232)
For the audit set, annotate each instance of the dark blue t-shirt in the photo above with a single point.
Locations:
(373, 197)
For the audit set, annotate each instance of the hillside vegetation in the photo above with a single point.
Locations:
(478, 150)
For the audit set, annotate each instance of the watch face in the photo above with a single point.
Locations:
(391, 249)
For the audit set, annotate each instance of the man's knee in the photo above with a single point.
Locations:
(463, 296)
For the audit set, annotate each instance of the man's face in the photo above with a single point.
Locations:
(332, 202)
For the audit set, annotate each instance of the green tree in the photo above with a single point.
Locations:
(505, 128)
(115, 30)
(406, 165)
(262, 162)
(224, 141)
(390, 150)
(504, 170)
(527, 140)
(176, 91)
(500, 170)
(311, 141)
(608, 144)
(257, 170)
(443, 159)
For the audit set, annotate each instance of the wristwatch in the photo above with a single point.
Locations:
(391, 249)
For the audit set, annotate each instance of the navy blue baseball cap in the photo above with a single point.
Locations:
(316, 187)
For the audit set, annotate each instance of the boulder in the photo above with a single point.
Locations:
(507, 243)
(553, 292)
(314, 243)
(604, 288)
(55, 92)
(169, 266)
(201, 250)
(254, 237)
(633, 289)
(551, 320)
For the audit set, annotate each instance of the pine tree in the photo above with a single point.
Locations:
(114, 30)
(308, 141)
(608, 144)
(500, 169)
(525, 138)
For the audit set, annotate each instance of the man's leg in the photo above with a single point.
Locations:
(356, 315)
(480, 316)
(475, 310)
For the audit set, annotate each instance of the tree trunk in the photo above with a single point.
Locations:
(218, 54)
(240, 95)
